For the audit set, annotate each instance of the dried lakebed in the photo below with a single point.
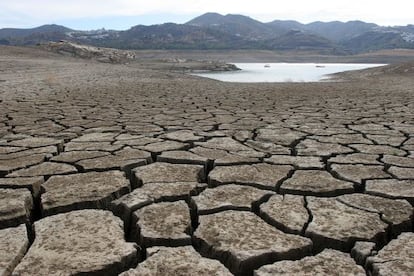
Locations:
(115, 169)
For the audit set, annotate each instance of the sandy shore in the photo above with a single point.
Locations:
(156, 171)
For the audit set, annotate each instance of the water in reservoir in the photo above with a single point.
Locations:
(284, 72)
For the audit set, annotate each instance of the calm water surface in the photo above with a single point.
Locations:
(284, 72)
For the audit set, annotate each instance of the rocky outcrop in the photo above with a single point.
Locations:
(106, 55)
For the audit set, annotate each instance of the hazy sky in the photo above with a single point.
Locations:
(122, 14)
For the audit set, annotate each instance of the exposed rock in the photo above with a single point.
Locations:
(13, 246)
(177, 261)
(286, 212)
(301, 162)
(31, 183)
(361, 251)
(44, 169)
(392, 188)
(358, 173)
(165, 172)
(16, 206)
(106, 55)
(398, 213)
(263, 176)
(163, 224)
(229, 197)
(315, 182)
(328, 262)
(86, 241)
(337, 225)
(81, 191)
(243, 242)
(396, 258)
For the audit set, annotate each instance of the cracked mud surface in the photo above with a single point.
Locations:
(110, 169)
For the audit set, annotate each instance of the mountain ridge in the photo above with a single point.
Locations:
(231, 31)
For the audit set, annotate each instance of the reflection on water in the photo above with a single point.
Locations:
(284, 72)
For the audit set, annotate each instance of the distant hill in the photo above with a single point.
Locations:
(232, 31)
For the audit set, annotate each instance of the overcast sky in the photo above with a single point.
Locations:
(122, 14)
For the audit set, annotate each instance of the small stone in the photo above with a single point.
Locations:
(302, 162)
(338, 226)
(361, 251)
(13, 246)
(396, 258)
(315, 182)
(165, 172)
(177, 261)
(243, 242)
(78, 242)
(392, 188)
(81, 191)
(16, 206)
(328, 262)
(163, 224)
(44, 169)
(286, 212)
(229, 197)
(359, 173)
(263, 176)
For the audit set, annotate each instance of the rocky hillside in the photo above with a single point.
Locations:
(215, 31)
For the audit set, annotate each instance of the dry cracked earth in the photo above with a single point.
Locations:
(115, 169)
